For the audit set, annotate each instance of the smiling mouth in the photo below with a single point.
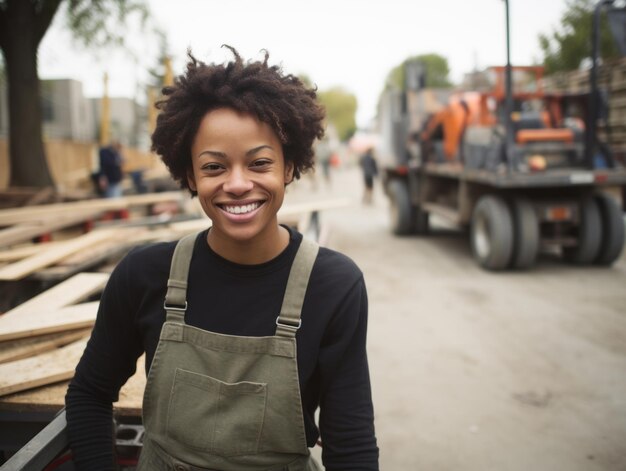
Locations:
(241, 208)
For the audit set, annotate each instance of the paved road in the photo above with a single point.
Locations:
(478, 371)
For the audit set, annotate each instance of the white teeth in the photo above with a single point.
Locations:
(241, 209)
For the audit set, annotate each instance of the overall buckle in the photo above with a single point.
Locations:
(289, 326)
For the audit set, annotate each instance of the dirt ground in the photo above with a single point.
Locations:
(473, 370)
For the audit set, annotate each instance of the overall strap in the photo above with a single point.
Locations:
(176, 297)
(288, 322)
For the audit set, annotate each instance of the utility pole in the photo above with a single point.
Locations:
(508, 105)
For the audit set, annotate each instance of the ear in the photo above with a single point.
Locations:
(191, 180)
(288, 172)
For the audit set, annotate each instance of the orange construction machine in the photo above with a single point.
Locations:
(548, 129)
(522, 170)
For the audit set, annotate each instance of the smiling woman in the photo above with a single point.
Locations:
(248, 328)
(239, 174)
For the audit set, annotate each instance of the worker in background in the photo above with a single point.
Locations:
(369, 169)
(323, 156)
(111, 173)
(248, 328)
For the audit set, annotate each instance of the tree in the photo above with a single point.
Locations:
(23, 24)
(564, 49)
(340, 110)
(437, 71)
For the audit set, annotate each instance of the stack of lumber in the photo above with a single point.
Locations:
(42, 339)
(612, 79)
(19, 258)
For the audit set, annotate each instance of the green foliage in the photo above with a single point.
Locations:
(156, 74)
(565, 48)
(437, 71)
(340, 110)
(98, 23)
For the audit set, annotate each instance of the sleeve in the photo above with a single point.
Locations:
(109, 359)
(346, 410)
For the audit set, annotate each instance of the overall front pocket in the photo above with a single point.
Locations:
(221, 418)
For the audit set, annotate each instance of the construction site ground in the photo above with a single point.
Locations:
(476, 371)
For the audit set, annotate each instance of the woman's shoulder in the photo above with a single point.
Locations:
(147, 261)
(335, 268)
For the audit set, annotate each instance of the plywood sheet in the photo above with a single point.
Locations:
(46, 368)
(52, 397)
(32, 213)
(43, 224)
(70, 291)
(47, 321)
(12, 350)
(19, 270)
(18, 253)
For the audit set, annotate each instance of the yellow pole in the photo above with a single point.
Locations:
(168, 80)
(104, 113)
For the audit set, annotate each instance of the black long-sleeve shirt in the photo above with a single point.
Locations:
(234, 299)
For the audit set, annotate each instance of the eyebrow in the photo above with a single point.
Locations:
(222, 155)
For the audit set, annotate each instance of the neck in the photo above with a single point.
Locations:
(251, 252)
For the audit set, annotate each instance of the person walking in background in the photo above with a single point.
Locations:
(323, 155)
(111, 173)
(370, 171)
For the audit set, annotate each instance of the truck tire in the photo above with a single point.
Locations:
(400, 208)
(525, 233)
(491, 233)
(589, 234)
(612, 222)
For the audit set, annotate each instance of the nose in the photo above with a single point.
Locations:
(237, 182)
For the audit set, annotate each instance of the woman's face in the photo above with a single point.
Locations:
(239, 173)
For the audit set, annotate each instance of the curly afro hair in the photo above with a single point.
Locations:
(281, 101)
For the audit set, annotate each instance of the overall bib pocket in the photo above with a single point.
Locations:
(207, 414)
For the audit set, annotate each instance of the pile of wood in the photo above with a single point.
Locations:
(42, 339)
(611, 79)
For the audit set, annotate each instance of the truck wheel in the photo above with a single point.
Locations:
(525, 233)
(401, 221)
(612, 230)
(491, 233)
(589, 235)
(420, 221)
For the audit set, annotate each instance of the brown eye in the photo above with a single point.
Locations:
(212, 167)
(261, 163)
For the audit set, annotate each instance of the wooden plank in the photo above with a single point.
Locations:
(48, 321)
(46, 368)
(12, 350)
(52, 398)
(19, 270)
(24, 251)
(68, 292)
(45, 224)
(86, 260)
(31, 213)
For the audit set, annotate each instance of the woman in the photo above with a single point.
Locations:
(247, 327)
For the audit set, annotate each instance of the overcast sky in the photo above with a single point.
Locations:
(348, 43)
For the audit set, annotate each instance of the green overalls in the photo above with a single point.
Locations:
(224, 402)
